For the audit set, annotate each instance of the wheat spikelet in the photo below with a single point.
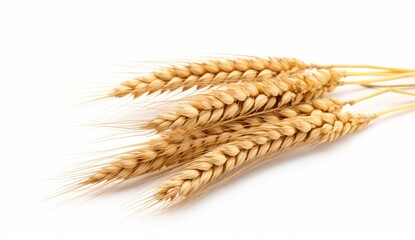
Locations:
(180, 146)
(247, 98)
(318, 127)
(207, 74)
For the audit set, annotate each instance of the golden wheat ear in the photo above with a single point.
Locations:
(222, 71)
(178, 147)
(242, 99)
(220, 163)
(247, 98)
(207, 74)
(317, 128)
(257, 104)
(171, 205)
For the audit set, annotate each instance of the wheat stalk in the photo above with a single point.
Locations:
(208, 74)
(319, 127)
(180, 146)
(247, 98)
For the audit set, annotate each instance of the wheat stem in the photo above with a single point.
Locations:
(395, 109)
(406, 85)
(382, 79)
(392, 69)
(383, 73)
(382, 91)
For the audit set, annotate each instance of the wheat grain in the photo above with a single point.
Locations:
(318, 127)
(207, 74)
(180, 146)
(247, 98)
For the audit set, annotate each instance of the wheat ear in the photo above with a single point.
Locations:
(247, 98)
(317, 128)
(207, 74)
(179, 146)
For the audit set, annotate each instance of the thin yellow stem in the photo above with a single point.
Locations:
(383, 73)
(382, 79)
(390, 89)
(360, 99)
(392, 69)
(407, 85)
(402, 91)
(395, 109)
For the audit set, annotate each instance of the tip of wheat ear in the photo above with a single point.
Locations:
(209, 73)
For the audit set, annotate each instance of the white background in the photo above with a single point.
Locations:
(360, 187)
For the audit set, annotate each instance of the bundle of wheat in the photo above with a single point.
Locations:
(254, 109)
